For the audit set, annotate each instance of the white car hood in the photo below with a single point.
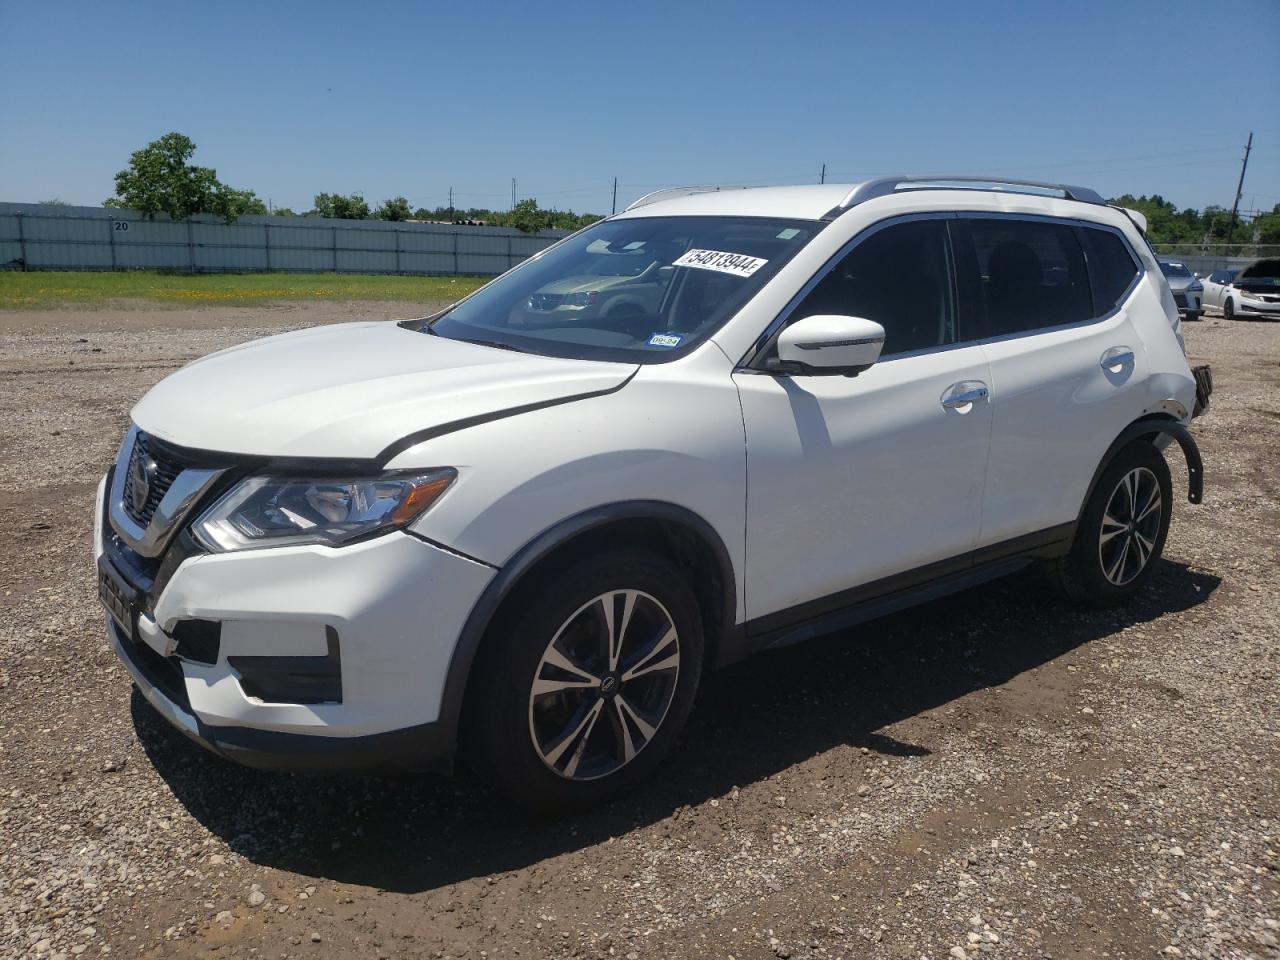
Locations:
(352, 390)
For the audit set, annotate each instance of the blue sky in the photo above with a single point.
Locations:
(290, 99)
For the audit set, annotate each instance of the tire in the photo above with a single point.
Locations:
(593, 730)
(1100, 572)
(1229, 309)
(1193, 316)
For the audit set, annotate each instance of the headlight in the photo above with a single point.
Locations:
(278, 511)
(580, 299)
(1195, 287)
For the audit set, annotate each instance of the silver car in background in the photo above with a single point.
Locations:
(1187, 290)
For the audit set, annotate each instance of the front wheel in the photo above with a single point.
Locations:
(587, 679)
(1122, 529)
(1229, 309)
(1193, 316)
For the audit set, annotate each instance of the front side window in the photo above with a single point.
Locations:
(1031, 275)
(898, 277)
(640, 290)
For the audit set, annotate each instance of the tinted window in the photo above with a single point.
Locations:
(1111, 267)
(897, 277)
(1032, 275)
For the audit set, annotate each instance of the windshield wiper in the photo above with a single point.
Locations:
(496, 344)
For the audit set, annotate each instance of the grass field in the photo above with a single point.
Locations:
(52, 289)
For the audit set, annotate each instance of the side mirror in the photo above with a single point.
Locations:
(831, 345)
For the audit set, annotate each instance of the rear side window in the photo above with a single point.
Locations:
(1032, 275)
(1111, 267)
(898, 277)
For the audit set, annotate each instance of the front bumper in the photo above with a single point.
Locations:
(383, 616)
(1188, 303)
(1257, 308)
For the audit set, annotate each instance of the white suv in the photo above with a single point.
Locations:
(376, 545)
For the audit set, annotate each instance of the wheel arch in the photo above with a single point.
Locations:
(1148, 428)
(673, 531)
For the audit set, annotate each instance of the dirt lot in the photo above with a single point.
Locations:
(992, 775)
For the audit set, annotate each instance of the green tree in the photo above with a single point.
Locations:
(1267, 225)
(397, 208)
(231, 203)
(283, 212)
(339, 207)
(161, 179)
(527, 218)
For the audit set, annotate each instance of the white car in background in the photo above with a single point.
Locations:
(380, 545)
(1255, 291)
(1215, 286)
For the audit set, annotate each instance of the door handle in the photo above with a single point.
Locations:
(963, 394)
(1114, 357)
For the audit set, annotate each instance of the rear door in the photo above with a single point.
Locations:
(1213, 286)
(1068, 371)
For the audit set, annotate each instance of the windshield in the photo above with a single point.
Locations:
(1174, 269)
(640, 290)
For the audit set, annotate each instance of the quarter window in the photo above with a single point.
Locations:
(1111, 267)
(1032, 275)
(899, 278)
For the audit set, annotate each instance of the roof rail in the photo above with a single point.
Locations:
(670, 193)
(884, 186)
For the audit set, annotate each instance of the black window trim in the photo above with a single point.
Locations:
(753, 359)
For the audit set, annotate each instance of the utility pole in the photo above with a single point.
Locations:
(1235, 207)
(615, 196)
(823, 178)
(513, 193)
(451, 216)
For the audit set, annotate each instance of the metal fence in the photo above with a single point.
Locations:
(49, 237)
(1203, 259)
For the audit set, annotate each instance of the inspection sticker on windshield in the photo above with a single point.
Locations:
(665, 339)
(739, 264)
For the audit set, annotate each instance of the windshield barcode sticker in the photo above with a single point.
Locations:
(738, 264)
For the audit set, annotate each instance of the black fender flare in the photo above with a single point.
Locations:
(528, 556)
(1148, 427)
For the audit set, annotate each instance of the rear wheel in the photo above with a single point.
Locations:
(590, 676)
(1122, 529)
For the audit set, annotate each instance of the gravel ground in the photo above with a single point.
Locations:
(995, 774)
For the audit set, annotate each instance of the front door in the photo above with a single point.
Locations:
(854, 479)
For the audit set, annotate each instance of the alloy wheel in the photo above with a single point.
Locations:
(1130, 526)
(604, 685)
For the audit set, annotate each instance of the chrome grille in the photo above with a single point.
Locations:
(167, 471)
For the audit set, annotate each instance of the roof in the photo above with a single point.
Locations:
(809, 202)
(822, 201)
